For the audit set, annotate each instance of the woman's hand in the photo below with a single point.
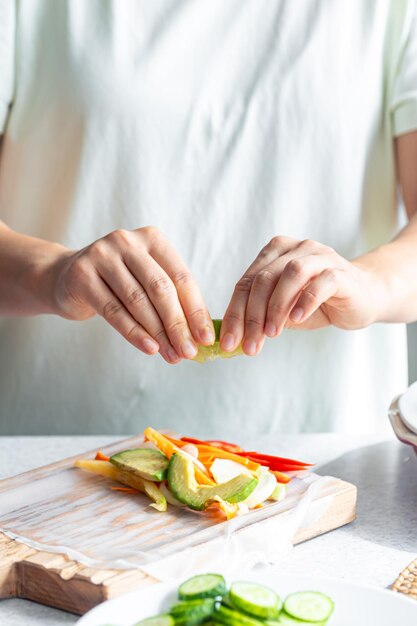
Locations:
(302, 284)
(137, 282)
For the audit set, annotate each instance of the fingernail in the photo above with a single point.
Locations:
(297, 314)
(270, 329)
(151, 347)
(172, 355)
(189, 350)
(249, 347)
(228, 342)
(206, 335)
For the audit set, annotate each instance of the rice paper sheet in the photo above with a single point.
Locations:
(71, 511)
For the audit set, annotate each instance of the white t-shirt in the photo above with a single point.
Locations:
(222, 123)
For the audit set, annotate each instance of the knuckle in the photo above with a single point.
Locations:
(137, 296)
(253, 323)
(276, 309)
(294, 269)
(276, 242)
(309, 244)
(134, 333)
(150, 232)
(199, 312)
(120, 236)
(98, 249)
(231, 317)
(182, 278)
(112, 309)
(264, 277)
(177, 327)
(160, 287)
(311, 296)
(330, 275)
(244, 284)
(160, 336)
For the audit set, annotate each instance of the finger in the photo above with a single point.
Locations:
(162, 293)
(233, 325)
(320, 289)
(297, 273)
(135, 299)
(262, 289)
(189, 294)
(103, 300)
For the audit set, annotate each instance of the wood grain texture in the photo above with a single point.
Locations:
(57, 580)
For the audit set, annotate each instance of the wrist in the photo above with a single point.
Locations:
(43, 274)
(377, 288)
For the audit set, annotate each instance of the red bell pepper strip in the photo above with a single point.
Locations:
(222, 445)
(280, 466)
(276, 463)
(268, 458)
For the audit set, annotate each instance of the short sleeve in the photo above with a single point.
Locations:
(7, 57)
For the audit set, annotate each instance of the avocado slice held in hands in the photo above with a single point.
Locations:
(147, 463)
(210, 353)
(184, 487)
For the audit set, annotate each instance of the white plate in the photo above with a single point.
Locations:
(354, 605)
(407, 405)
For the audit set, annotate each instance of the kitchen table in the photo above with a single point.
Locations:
(372, 550)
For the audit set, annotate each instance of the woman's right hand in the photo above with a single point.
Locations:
(138, 283)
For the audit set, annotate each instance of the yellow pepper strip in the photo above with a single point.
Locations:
(104, 468)
(168, 448)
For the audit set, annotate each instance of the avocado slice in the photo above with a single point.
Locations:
(147, 463)
(210, 353)
(184, 487)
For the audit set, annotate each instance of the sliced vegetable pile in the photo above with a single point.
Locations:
(206, 599)
(202, 475)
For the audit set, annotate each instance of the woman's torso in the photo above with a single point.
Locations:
(223, 124)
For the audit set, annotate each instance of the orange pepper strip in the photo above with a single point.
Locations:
(281, 478)
(222, 454)
(125, 489)
(101, 457)
(177, 442)
(168, 448)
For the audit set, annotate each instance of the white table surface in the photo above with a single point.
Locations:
(371, 550)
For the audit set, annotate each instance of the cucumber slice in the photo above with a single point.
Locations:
(202, 586)
(230, 617)
(147, 463)
(310, 606)
(255, 599)
(287, 620)
(157, 620)
(192, 612)
(226, 601)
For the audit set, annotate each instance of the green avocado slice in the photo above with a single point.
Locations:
(147, 463)
(210, 353)
(184, 487)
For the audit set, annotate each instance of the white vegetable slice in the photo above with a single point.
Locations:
(223, 470)
(168, 495)
(191, 449)
(279, 493)
(194, 460)
(263, 490)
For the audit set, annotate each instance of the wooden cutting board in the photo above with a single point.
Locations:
(57, 580)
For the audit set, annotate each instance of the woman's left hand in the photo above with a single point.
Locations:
(298, 284)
